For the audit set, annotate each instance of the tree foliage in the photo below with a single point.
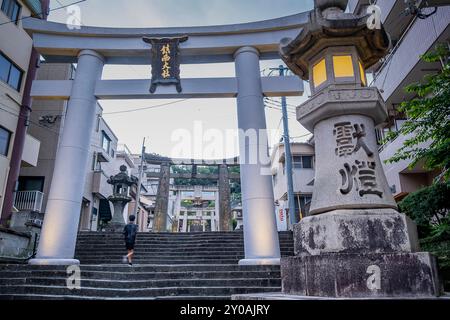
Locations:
(428, 118)
(429, 208)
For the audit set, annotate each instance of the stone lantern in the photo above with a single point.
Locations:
(121, 184)
(355, 243)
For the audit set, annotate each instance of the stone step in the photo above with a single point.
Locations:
(162, 261)
(178, 234)
(161, 250)
(119, 267)
(156, 260)
(169, 247)
(170, 255)
(172, 243)
(114, 275)
(134, 292)
(142, 246)
(171, 238)
(173, 256)
(137, 284)
(72, 297)
(166, 266)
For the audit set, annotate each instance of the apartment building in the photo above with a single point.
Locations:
(303, 176)
(413, 34)
(15, 54)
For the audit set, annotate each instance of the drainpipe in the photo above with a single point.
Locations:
(21, 130)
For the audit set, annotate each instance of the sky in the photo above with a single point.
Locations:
(158, 125)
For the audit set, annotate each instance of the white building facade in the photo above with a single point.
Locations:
(15, 53)
(303, 178)
(412, 37)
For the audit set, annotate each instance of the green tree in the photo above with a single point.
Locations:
(429, 208)
(428, 118)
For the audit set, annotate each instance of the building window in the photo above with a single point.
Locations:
(5, 137)
(10, 73)
(106, 142)
(12, 9)
(31, 184)
(303, 162)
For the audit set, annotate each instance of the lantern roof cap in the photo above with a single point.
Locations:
(123, 178)
(330, 26)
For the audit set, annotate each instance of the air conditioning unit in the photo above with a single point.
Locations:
(37, 222)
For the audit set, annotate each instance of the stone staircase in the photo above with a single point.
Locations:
(166, 266)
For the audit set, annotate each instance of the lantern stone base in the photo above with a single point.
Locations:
(359, 253)
(356, 231)
(339, 275)
(115, 227)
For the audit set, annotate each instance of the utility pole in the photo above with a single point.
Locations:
(288, 155)
(141, 169)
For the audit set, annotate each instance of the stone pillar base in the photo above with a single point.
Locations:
(53, 262)
(262, 261)
(370, 275)
(356, 231)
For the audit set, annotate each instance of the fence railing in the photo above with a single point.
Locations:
(29, 201)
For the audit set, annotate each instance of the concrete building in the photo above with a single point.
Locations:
(412, 36)
(15, 54)
(303, 176)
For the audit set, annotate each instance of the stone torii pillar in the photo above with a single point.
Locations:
(59, 232)
(162, 199)
(224, 199)
(261, 242)
(355, 243)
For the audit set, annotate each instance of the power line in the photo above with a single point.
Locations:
(146, 108)
(38, 124)
(290, 110)
(278, 109)
(289, 105)
(54, 9)
(28, 120)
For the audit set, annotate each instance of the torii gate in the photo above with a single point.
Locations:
(91, 48)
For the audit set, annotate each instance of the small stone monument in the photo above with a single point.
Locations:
(355, 243)
(121, 183)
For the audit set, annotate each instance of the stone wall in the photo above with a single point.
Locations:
(14, 244)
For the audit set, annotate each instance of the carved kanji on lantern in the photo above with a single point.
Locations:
(359, 135)
(165, 62)
(360, 175)
(345, 134)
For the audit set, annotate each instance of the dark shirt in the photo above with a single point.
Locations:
(130, 232)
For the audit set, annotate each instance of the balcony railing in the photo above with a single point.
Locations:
(29, 201)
